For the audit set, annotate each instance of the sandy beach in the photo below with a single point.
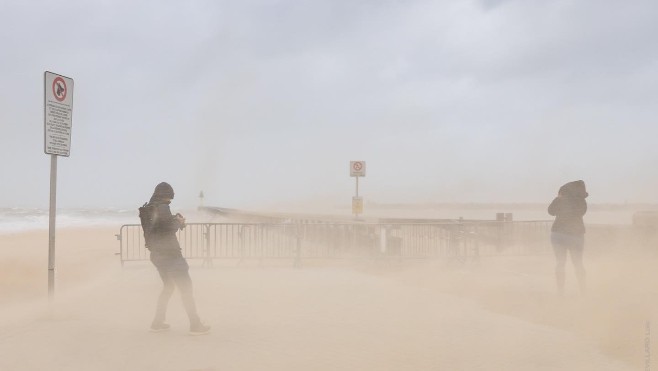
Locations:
(496, 314)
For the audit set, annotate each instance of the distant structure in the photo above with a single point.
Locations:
(201, 199)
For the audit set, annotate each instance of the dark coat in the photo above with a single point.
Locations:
(569, 207)
(163, 231)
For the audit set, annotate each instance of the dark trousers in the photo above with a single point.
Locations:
(574, 245)
(174, 274)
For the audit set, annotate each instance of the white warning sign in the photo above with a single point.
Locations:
(58, 114)
(357, 168)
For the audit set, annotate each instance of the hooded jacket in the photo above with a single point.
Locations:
(569, 207)
(165, 225)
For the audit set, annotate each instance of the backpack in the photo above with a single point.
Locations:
(147, 219)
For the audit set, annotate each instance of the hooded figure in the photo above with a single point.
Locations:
(167, 257)
(163, 191)
(568, 230)
(162, 237)
(568, 208)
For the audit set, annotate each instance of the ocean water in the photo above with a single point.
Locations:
(21, 219)
(14, 220)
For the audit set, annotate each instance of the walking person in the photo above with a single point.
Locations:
(167, 257)
(568, 231)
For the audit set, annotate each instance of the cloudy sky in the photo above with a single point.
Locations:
(266, 102)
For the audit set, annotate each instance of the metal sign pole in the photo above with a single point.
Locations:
(357, 170)
(356, 212)
(57, 123)
(51, 227)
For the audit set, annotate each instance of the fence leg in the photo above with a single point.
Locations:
(207, 259)
(476, 247)
(120, 238)
(298, 251)
(242, 244)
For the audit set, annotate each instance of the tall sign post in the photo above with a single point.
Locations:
(58, 120)
(357, 169)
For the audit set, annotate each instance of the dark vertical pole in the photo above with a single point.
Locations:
(51, 226)
(356, 213)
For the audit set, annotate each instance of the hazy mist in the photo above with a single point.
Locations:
(259, 103)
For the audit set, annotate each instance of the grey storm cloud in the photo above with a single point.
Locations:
(261, 101)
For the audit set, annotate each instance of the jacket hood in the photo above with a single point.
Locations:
(574, 189)
(163, 191)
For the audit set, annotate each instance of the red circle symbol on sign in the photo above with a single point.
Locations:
(357, 166)
(59, 89)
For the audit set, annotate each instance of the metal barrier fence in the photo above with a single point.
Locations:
(461, 241)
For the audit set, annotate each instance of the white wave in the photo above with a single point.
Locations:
(14, 220)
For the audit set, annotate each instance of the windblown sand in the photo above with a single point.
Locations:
(495, 314)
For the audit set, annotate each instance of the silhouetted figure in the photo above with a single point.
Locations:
(568, 231)
(167, 257)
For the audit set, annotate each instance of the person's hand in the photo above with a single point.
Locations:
(181, 219)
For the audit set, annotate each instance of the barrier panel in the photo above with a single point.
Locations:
(328, 240)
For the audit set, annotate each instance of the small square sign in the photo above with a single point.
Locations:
(357, 168)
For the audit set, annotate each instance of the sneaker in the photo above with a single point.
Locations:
(159, 327)
(199, 329)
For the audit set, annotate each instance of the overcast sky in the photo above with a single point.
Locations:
(266, 102)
